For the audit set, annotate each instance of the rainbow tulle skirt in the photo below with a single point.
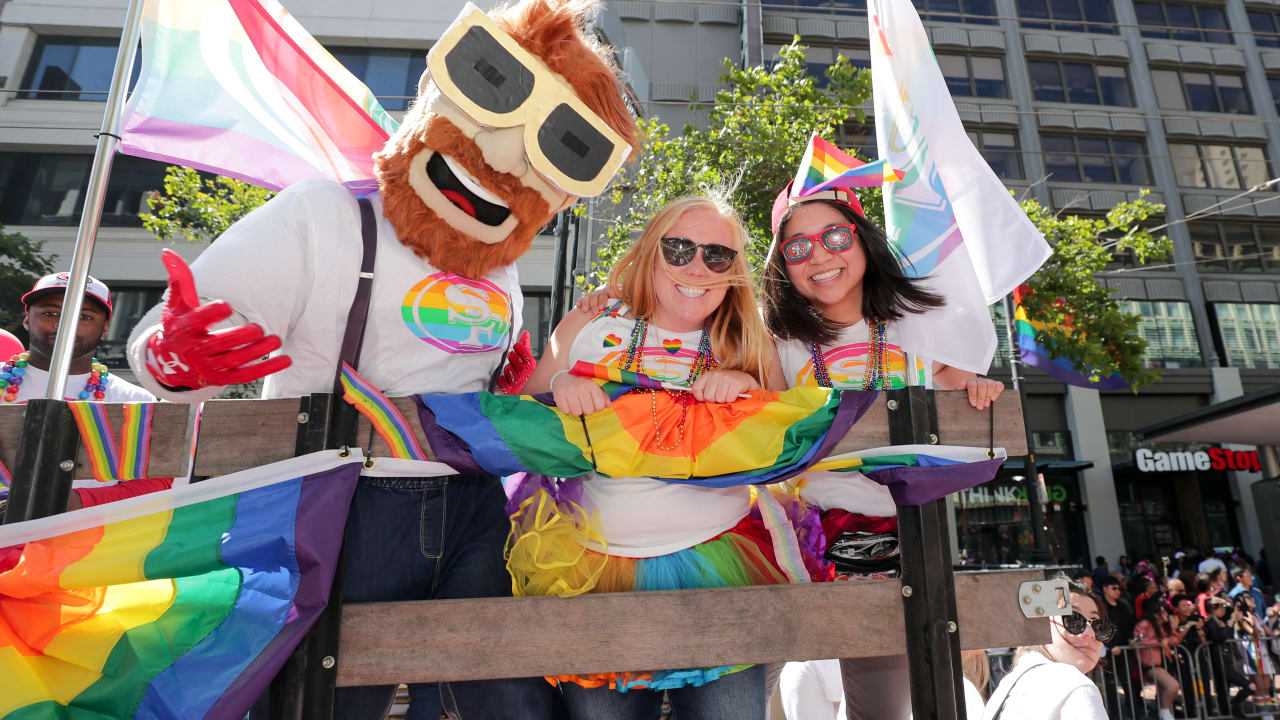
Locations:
(547, 554)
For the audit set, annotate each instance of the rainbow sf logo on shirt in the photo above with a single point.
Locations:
(457, 314)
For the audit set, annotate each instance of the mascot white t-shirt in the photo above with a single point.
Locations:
(292, 267)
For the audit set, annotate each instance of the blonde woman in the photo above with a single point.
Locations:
(685, 313)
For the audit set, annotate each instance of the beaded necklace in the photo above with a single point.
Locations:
(633, 360)
(875, 373)
(14, 372)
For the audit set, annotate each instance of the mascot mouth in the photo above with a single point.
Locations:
(463, 191)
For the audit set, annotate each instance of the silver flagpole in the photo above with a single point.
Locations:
(108, 139)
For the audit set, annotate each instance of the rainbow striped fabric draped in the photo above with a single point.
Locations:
(765, 439)
(239, 88)
(177, 604)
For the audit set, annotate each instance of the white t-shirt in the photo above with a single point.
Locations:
(846, 364)
(641, 517)
(36, 381)
(1050, 691)
(292, 267)
(812, 690)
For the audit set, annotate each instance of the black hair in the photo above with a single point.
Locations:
(887, 292)
(1100, 561)
(1239, 572)
(1108, 581)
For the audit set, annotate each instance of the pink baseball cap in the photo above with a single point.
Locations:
(58, 282)
(786, 199)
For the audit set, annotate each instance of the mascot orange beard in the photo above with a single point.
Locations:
(466, 196)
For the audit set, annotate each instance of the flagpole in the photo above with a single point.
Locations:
(108, 139)
(1039, 549)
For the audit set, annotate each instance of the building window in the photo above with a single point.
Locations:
(1093, 16)
(1169, 331)
(1218, 166)
(1235, 247)
(1198, 23)
(1203, 91)
(974, 76)
(1250, 334)
(1275, 91)
(392, 75)
(48, 189)
(1083, 83)
(67, 68)
(1000, 150)
(128, 305)
(1089, 159)
(974, 12)
(1266, 28)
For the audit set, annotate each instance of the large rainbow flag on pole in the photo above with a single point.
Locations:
(1037, 354)
(238, 88)
(177, 604)
(950, 217)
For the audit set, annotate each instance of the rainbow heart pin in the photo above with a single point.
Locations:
(612, 340)
(672, 346)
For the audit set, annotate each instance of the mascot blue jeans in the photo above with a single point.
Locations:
(428, 539)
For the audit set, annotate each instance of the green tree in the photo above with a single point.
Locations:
(753, 139)
(22, 262)
(1085, 323)
(198, 208)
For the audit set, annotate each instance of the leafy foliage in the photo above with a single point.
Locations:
(1086, 324)
(197, 208)
(22, 262)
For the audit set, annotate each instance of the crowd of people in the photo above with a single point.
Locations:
(1194, 617)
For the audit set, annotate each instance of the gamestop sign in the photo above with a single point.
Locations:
(1212, 459)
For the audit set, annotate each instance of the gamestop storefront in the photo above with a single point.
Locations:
(1175, 496)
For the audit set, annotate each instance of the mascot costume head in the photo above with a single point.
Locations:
(518, 114)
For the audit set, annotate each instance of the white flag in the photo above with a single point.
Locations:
(950, 216)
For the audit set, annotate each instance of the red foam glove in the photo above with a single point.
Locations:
(520, 365)
(185, 355)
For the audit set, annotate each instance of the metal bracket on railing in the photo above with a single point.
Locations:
(1043, 598)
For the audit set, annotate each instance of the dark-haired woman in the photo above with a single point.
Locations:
(1152, 633)
(833, 291)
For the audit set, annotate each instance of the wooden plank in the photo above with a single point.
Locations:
(169, 439)
(959, 423)
(446, 640)
(240, 434)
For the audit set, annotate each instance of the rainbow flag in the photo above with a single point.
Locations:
(177, 604)
(1036, 354)
(594, 371)
(238, 88)
(825, 166)
(109, 460)
(766, 438)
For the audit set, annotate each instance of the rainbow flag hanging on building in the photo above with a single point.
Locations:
(239, 88)
(825, 166)
(177, 604)
(767, 438)
(1034, 353)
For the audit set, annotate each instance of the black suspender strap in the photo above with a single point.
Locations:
(353, 336)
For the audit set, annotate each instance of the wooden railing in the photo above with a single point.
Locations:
(928, 613)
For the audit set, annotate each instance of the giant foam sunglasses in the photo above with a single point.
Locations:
(485, 72)
(1075, 623)
(835, 239)
(678, 251)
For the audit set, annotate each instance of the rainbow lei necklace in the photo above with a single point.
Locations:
(633, 360)
(875, 373)
(14, 372)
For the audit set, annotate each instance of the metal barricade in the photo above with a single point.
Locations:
(1136, 679)
(1229, 668)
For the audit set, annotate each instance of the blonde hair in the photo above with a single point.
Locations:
(739, 339)
(974, 666)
